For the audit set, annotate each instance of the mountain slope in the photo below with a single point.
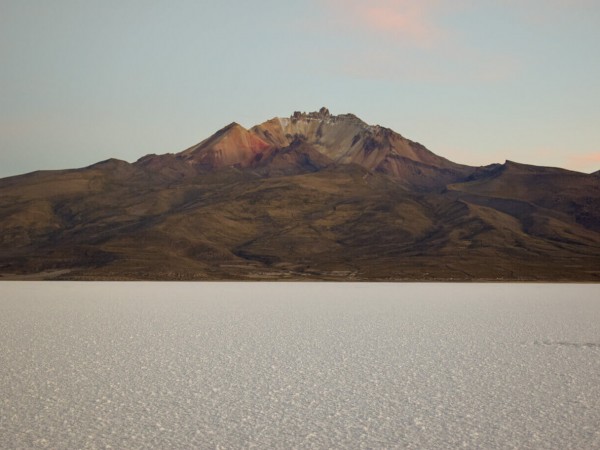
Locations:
(346, 139)
(230, 146)
(574, 194)
(313, 196)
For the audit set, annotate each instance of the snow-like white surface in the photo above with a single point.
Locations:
(319, 365)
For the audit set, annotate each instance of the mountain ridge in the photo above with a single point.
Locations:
(344, 139)
(310, 196)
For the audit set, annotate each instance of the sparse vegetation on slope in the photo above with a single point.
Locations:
(313, 196)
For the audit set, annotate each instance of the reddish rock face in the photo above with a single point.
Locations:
(342, 139)
(230, 146)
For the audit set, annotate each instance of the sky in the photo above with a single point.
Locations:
(475, 81)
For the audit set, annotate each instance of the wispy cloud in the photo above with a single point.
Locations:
(411, 40)
(411, 21)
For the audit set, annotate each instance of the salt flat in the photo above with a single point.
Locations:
(304, 365)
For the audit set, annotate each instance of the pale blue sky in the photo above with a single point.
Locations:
(475, 81)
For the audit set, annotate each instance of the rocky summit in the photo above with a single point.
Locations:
(309, 196)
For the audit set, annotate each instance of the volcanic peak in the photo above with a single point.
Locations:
(313, 195)
(329, 139)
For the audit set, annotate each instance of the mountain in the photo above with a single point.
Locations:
(310, 196)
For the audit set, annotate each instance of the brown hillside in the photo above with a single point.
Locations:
(312, 196)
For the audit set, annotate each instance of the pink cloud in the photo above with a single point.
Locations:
(408, 20)
(405, 19)
(409, 40)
